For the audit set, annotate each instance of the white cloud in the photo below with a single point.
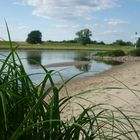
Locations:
(68, 26)
(68, 9)
(76, 26)
(111, 32)
(115, 22)
(19, 3)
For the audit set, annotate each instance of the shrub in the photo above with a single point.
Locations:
(102, 54)
(135, 52)
(138, 43)
(115, 53)
(118, 53)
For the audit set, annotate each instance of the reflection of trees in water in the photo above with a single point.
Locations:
(33, 58)
(110, 62)
(84, 68)
(83, 57)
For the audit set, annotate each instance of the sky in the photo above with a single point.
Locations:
(109, 20)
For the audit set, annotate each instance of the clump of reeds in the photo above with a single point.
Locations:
(24, 114)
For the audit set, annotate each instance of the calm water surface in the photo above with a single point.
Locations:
(46, 57)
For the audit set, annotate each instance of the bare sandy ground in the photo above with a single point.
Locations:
(120, 59)
(75, 63)
(107, 85)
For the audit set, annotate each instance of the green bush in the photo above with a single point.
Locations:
(135, 52)
(118, 53)
(138, 43)
(115, 53)
(102, 54)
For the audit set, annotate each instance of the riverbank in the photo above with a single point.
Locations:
(64, 46)
(111, 87)
(119, 59)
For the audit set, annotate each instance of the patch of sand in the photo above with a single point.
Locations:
(75, 63)
(107, 85)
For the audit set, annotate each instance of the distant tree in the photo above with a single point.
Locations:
(97, 43)
(122, 43)
(128, 43)
(71, 41)
(93, 42)
(101, 43)
(34, 37)
(84, 36)
(138, 43)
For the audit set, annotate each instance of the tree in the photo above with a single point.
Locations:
(34, 37)
(138, 43)
(122, 43)
(84, 36)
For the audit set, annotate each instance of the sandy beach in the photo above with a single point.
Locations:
(112, 87)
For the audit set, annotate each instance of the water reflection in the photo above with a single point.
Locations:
(84, 68)
(110, 62)
(34, 58)
(46, 57)
(83, 57)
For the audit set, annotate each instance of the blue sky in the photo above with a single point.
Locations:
(61, 19)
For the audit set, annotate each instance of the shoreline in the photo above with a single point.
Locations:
(119, 59)
(112, 88)
(75, 63)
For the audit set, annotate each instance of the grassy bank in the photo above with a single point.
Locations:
(66, 46)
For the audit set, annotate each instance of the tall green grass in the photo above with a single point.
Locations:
(24, 113)
(115, 53)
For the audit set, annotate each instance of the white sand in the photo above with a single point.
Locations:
(121, 76)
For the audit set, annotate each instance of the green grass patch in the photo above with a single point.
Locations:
(135, 52)
(114, 53)
(67, 46)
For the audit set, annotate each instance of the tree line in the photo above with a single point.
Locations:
(83, 37)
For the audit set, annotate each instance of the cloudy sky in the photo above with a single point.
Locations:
(61, 19)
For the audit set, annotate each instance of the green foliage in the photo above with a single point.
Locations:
(115, 53)
(135, 52)
(122, 43)
(34, 37)
(111, 62)
(118, 53)
(6, 43)
(97, 43)
(107, 53)
(84, 36)
(24, 114)
(138, 43)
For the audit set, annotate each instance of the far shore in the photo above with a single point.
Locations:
(119, 59)
(66, 46)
